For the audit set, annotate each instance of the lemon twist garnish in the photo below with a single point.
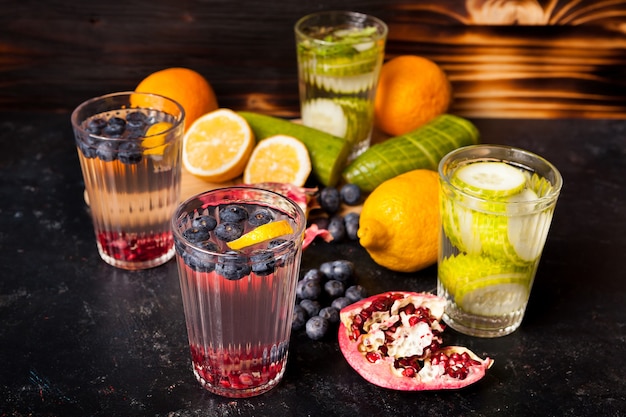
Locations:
(261, 234)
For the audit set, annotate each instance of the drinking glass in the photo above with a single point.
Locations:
(491, 242)
(340, 54)
(129, 147)
(238, 303)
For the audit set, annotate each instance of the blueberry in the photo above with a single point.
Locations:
(199, 261)
(228, 231)
(196, 234)
(96, 125)
(308, 290)
(311, 307)
(316, 327)
(356, 293)
(340, 302)
(330, 200)
(260, 216)
(130, 153)
(330, 313)
(341, 270)
(263, 263)
(233, 266)
(206, 221)
(106, 150)
(351, 221)
(88, 151)
(321, 222)
(313, 275)
(334, 288)
(115, 127)
(233, 213)
(350, 194)
(136, 120)
(299, 318)
(275, 242)
(337, 228)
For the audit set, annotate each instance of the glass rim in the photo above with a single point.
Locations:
(552, 195)
(179, 119)
(180, 212)
(362, 17)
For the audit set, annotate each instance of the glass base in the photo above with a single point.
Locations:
(136, 265)
(482, 326)
(239, 392)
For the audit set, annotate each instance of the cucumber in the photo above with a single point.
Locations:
(422, 148)
(328, 153)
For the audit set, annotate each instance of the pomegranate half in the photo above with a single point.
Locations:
(393, 340)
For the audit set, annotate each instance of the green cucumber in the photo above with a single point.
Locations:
(422, 148)
(328, 153)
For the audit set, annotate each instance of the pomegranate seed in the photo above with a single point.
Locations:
(373, 357)
(409, 372)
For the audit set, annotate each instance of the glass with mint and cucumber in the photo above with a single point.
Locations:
(340, 54)
(497, 203)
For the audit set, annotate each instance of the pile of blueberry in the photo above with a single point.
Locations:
(232, 224)
(321, 293)
(128, 150)
(331, 200)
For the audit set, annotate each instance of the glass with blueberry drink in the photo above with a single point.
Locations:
(497, 203)
(238, 251)
(340, 54)
(129, 146)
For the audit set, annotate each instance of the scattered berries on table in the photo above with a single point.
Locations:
(350, 194)
(316, 327)
(330, 200)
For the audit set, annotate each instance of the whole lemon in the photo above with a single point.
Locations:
(399, 224)
(412, 90)
(186, 86)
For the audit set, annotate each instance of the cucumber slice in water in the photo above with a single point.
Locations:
(325, 115)
(485, 286)
(490, 179)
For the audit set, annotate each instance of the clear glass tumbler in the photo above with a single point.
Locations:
(129, 146)
(340, 54)
(495, 218)
(238, 303)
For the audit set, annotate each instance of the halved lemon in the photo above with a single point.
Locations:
(216, 147)
(279, 158)
(261, 234)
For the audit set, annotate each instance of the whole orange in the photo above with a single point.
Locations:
(189, 88)
(412, 90)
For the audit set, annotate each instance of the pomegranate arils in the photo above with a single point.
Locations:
(456, 365)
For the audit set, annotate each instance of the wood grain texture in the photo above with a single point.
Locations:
(567, 59)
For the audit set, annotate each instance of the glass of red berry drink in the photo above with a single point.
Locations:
(129, 146)
(238, 251)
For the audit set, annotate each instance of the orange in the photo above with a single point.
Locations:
(279, 158)
(216, 147)
(412, 91)
(190, 89)
(399, 223)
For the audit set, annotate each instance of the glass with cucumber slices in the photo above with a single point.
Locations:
(497, 203)
(340, 54)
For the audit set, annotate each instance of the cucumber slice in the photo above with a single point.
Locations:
(325, 115)
(490, 179)
(495, 296)
(483, 285)
(527, 233)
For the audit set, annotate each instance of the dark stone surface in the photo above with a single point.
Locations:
(81, 338)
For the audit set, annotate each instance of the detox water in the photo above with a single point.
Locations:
(132, 179)
(496, 208)
(339, 59)
(238, 304)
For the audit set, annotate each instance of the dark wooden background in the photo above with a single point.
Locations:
(565, 59)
